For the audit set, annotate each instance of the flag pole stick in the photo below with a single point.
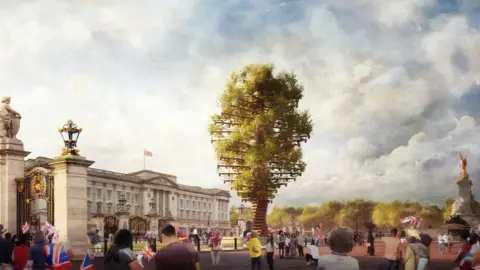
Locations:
(144, 160)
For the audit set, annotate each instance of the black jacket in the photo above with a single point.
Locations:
(6, 251)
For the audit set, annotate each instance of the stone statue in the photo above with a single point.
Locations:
(463, 161)
(9, 120)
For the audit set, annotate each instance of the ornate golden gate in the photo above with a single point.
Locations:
(138, 226)
(37, 184)
(110, 225)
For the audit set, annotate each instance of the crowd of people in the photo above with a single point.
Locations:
(23, 251)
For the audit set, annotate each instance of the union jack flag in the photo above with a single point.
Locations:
(25, 227)
(56, 257)
(411, 220)
(147, 252)
(87, 262)
(247, 237)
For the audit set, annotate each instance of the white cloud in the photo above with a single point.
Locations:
(385, 83)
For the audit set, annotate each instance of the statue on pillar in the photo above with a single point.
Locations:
(9, 120)
(463, 162)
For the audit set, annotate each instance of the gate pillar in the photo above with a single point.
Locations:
(70, 173)
(12, 167)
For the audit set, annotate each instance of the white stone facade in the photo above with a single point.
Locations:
(186, 207)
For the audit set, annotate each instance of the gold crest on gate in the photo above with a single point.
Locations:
(38, 186)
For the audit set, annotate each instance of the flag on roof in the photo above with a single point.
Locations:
(147, 153)
(87, 262)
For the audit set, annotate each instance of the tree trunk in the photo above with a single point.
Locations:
(260, 217)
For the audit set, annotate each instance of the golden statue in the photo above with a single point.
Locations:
(463, 161)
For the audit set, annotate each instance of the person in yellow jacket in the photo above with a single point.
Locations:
(255, 249)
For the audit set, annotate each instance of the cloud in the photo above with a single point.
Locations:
(392, 86)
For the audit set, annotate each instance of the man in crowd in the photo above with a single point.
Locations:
(392, 250)
(175, 255)
(300, 243)
(6, 250)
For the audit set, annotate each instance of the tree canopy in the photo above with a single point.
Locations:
(258, 132)
(385, 215)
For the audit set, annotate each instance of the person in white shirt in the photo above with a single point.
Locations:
(312, 254)
(270, 251)
(441, 243)
(300, 244)
(340, 241)
(448, 241)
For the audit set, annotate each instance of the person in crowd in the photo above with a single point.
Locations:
(313, 254)
(441, 243)
(120, 254)
(6, 250)
(36, 253)
(448, 241)
(97, 245)
(340, 241)
(20, 253)
(300, 244)
(409, 260)
(393, 253)
(370, 243)
(215, 244)
(293, 245)
(255, 249)
(269, 251)
(281, 244)
(175, 254)
(15, 240)
(424, 256)
(465, 247)
(287, 245)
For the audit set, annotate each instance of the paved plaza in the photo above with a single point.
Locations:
(233, 260)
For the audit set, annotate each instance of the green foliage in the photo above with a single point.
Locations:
(447, 208)
(258, 132)
(235, 214)
(385, 215)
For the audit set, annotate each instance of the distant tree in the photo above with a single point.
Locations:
(432, 216)
(355, 213)
(257, 135)
(235, 214)
(447, 208)
(380, 215)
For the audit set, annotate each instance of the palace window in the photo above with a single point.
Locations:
(128, 196)
(181, 203)
(99, 193)
(137, 198)
(89, 208)
(109, 209)
(109, 194)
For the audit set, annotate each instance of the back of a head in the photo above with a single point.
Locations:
(394, 232)
(8, 236)
(464, 235)
(39, 237)
(23, 239)
(425, 239)
(340, 240)
(169, 231)
(123, 238)
(254, 234)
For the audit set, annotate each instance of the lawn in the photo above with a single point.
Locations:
(227, 242)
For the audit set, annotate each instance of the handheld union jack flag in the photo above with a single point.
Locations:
(411, 220)
(25, 227)
(147, 254)
(56, 257)
(87, 262)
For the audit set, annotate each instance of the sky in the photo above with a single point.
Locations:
(393, 87)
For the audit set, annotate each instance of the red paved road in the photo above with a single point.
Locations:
(239, 260)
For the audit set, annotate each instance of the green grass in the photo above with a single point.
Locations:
(227, 242)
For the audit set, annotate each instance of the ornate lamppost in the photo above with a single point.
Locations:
(70, 133)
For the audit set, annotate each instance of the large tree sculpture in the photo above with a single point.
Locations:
(257, 135)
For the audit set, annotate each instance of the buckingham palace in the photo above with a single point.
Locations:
(143, 201)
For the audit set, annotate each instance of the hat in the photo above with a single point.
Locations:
(2, 231)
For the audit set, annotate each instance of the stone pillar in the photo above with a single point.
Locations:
(123, 220)
(12, 166)
(70, 209)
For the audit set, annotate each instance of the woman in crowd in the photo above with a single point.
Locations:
(120, 255)
(313, 254)
(255, 249)
(424, 257)
(281, 244)
(269, 251)
(20, 253)
(293, 245)
(370, 243)
(216, 245)
(36, 254)
(463, 251)
(409, 261)
(340, 241)
(287, 245)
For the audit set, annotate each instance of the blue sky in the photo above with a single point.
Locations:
(391, 85)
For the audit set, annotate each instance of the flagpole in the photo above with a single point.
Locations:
(144, 160)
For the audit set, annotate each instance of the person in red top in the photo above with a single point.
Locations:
(20, 253)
